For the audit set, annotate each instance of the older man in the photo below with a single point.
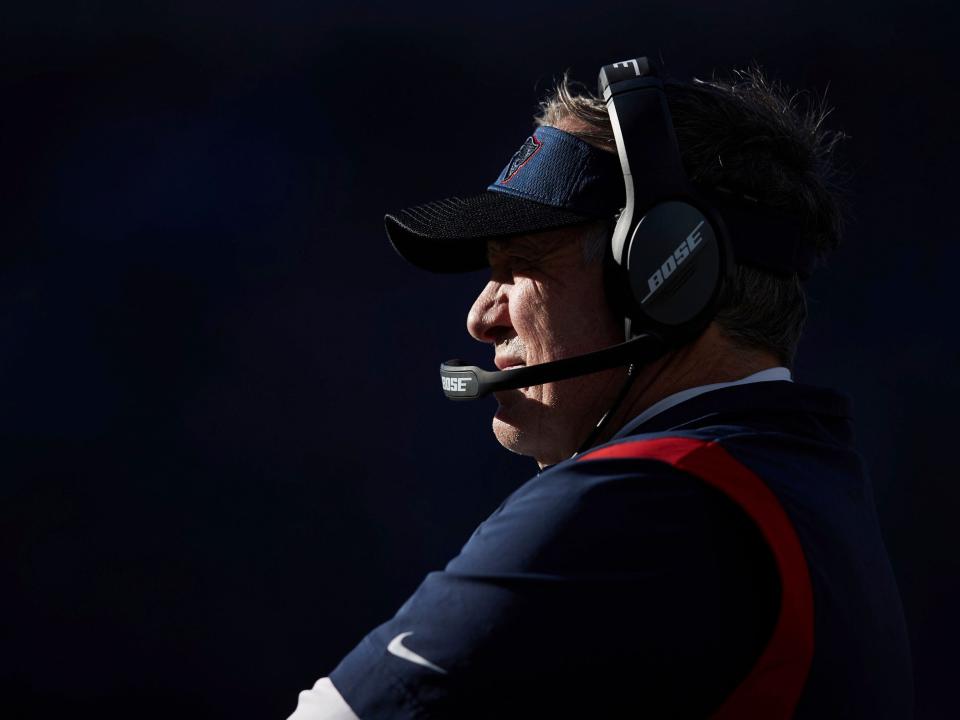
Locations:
(701, 539)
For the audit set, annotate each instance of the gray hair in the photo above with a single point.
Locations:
(594, 239)
(752, 135)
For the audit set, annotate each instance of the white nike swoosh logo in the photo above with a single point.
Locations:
(396, 648)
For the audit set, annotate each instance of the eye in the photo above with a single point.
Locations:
(522, 265)
(505, 267)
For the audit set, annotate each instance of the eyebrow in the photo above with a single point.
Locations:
(525, 247)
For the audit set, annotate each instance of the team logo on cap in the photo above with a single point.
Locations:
(520, 158)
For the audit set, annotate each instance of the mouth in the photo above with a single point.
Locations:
(508, 363)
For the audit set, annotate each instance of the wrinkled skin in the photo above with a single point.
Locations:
(544, 302)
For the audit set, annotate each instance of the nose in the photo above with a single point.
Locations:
(489, 317)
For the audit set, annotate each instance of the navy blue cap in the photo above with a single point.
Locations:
(556, 168)
(554, 180)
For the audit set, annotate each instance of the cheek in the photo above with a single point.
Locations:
(526, 313)
(576, 320)
(556, 321)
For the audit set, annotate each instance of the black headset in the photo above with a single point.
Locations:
(669, 255)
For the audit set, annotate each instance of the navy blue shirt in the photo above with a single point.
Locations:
(723, 559)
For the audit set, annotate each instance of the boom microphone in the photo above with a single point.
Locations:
(468, 382)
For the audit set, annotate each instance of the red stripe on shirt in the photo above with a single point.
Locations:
(773, 686)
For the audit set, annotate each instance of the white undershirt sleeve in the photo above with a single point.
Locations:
(322, 702)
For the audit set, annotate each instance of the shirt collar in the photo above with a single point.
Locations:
(768, 375)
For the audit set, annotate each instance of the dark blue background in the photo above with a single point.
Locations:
(225, 455)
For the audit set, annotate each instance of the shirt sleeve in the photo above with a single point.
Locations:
(597, 588)
(322, 702)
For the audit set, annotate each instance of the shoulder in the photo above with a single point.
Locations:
(621, 508)
(592, 577)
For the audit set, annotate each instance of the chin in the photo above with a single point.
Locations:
(509, 436)
(519, 427)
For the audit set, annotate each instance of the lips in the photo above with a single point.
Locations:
(508, 363)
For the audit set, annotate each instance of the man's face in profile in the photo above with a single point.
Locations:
(545, 302)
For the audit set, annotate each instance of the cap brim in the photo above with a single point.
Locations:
(451, 235)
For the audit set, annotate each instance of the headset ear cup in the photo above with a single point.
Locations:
(675, 270)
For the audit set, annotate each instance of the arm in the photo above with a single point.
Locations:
(594, 589)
